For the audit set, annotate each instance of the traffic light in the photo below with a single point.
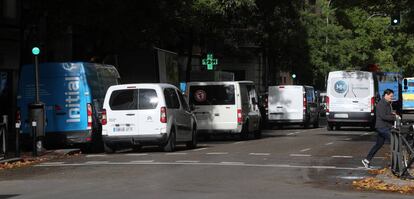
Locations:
(395, 19)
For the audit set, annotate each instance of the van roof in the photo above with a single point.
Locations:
(146, 85)
(53, 69)
(220, 82)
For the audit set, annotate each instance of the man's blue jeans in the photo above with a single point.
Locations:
(382, 135)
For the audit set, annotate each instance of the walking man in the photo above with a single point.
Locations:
(385, 118)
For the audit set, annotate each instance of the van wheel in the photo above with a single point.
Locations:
(193, 143)
(170, 146)
(306, 125)
(316, 123)
(329, 127)
(108, 149)
(245, 131)
(258, 133)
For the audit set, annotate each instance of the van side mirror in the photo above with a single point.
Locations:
(192, 107)
(405, 84)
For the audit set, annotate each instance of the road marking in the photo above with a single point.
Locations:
(136, 154)
(176, 154)
(347, 139)
(218, 153)
(351, 177)
(187, 161)
(259, 154)
(291, 134)
(209, 164)
(341, 156)
(304, 150)
(238, 142)
(96, 155)
(238, 163)
(142, 161)
(55, 162)
(300, 155)
(96, 162)
(329, 143)
(200, 149)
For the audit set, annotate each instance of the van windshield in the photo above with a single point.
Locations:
(212, 95)
(350, 87)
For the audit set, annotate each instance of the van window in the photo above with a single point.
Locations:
(212, 95)
(124, 100)
(171, 98)
(148, 99)
(350, 87)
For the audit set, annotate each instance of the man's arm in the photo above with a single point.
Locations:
(381, 111)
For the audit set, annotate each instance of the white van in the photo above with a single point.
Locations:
(350, 100)
(293, 104)
(146, 114)
(225, 107)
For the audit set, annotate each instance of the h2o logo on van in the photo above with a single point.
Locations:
(341, 87)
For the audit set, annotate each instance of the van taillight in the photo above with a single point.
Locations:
(18, 116)
(239, 116)
(372, 104)
(163, 115)
(305, 103)
(104, 120)
(327, 104)
(89, 116)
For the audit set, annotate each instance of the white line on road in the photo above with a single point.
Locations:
(218, 153)
(329, 143)
(238, 142)
(142, 161)
(136, 154)
(55, 162)
(187, 161)
(341, 156)
(347, 139)
(300, 155)
(291, 134)
(96, 155)
(304, 150)
(208, 164)
(364, 134)
(237, 163)
(263, 154)
(200, 149)
(96, 162)
(176, 154)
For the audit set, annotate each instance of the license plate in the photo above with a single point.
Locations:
(341, 115)
(122, 129)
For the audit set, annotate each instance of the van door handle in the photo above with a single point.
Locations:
(216, 114)
(130, 114)
(355, 101)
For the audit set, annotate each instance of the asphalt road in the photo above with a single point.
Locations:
(288, 163)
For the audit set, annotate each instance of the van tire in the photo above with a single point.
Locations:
(306, 125)
(329, 127)
(244, 134)
(258, 133)
(316, 123)
(170, 146)
(108, 149)
(193, 143)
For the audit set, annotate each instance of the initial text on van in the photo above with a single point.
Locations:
(72, 99)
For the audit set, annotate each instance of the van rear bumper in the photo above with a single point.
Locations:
(64, 138)
(136, 139)
(353, 117)
(285, 121)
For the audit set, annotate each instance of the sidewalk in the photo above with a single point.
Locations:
(26, 158)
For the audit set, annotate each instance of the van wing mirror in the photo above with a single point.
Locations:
(192, 107)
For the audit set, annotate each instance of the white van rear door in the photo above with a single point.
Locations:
(285, 102)
(215, 105)
(149, 113)
(122, 119)
(351, 92)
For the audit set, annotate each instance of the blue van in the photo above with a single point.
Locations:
(408, 94)
(390, 80)
(73, 95)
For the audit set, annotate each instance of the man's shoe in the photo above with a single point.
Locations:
(366, 163)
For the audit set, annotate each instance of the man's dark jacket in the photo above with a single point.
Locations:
(384, 116)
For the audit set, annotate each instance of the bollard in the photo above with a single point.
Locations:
(34, 129)
(17, 139)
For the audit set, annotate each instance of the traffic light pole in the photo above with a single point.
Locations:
(37, 79)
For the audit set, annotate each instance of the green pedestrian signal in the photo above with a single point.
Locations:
(210, 62)
(35, 51)
(395, 19)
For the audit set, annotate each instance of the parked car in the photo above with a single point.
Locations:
(147, 114)
(322, 104)
(230, 107)
(293, 104)
(73, 94)
(351, 99)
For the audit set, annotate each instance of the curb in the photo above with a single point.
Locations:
(10, 160)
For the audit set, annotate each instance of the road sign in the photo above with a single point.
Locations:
(210, 62)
